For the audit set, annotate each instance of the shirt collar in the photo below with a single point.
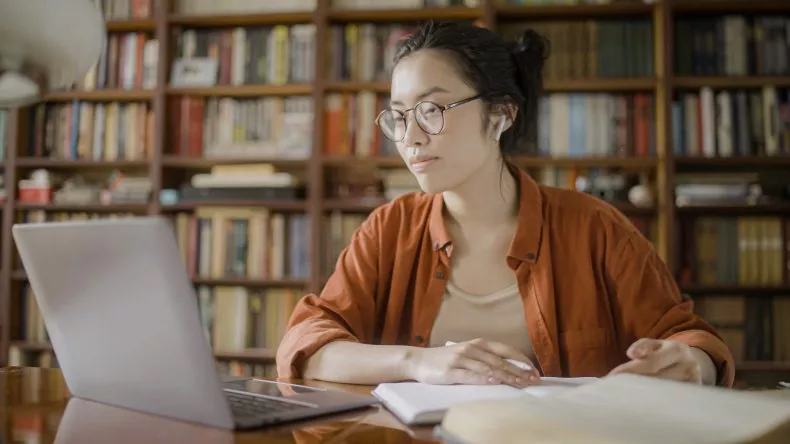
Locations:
(525, 245)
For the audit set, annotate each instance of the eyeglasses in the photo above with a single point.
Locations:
(428, 115)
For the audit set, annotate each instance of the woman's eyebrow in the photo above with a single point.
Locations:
(426, 93)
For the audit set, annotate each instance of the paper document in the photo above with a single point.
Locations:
(418, 403)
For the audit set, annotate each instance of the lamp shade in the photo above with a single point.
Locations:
(45, 45)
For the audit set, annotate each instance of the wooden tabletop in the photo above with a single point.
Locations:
(34, 401)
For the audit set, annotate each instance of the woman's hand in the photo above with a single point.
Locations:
(663, 359)
(473, 362)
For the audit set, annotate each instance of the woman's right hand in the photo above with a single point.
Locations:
(473, 362)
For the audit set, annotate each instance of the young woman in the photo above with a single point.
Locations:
(486, 258)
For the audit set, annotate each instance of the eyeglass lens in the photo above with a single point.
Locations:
(428, 116)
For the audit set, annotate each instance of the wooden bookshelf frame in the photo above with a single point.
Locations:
(490, 14)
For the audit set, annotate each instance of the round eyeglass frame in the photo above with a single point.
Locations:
(442, 109)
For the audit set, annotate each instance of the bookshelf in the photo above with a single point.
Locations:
(649, 71)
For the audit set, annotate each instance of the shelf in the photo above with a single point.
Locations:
(630, 209)
(365, 205)
(234, 20)
(261, 355)
(275, 205)
(372, 161)
(524, 162)
(100, 95)
(239, 91)
(588, 162)
(90, 208)
(131, 25)
(201, 163)
(734, 289)
(731, 6)
(251, 282)
(581, 11)
(739, 162)
(692, 82)
(355, 86)
(36, 162)
(354, 205)
(781, 366)
(20, 275)
(32, 346)
(406, 15)
(612, 85)
(735, 210)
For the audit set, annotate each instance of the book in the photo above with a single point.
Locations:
(416, 403)
(625, 408)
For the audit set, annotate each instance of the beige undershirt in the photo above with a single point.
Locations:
(495, 317)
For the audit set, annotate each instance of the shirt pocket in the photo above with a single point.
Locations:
(586, 352)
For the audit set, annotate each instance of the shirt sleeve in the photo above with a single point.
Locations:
(648, 304)
(345, 308)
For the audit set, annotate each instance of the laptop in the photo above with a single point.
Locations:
(123, 318)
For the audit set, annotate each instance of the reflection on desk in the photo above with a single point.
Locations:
(36, 407)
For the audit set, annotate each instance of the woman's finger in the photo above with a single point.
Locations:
(465, 376)
(470, 363)
(681, 371)
(511, 373)
(503, 351)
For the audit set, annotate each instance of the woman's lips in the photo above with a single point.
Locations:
(420, 164)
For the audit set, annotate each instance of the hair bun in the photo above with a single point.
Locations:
(531, 46)
(530, 51)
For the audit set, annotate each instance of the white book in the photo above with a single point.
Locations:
(418, 403)
(623, 409)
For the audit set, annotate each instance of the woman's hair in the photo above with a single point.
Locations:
(505, 73)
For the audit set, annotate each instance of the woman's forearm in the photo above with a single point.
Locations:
(355, 363)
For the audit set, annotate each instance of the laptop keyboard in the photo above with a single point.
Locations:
(244, 405)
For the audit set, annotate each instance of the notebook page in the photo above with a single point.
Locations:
(551, 385)
(409, 400)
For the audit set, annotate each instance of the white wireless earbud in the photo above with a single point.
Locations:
(500, 128)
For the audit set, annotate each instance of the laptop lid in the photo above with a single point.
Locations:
(123, 317)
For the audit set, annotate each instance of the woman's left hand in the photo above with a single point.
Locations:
(663, 359)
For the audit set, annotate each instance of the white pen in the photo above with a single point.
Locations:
(522, 365)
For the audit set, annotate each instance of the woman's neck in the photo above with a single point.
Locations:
(488, 197)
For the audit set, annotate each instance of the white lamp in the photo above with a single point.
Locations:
(46, 45)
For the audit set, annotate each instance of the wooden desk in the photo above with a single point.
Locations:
(34, 401)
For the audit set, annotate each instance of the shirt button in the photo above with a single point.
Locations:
(419, 339)
(530, 256)
(439, 275)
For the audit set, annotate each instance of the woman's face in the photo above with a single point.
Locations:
(444, 161)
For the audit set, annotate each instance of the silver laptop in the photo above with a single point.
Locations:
(123, 319)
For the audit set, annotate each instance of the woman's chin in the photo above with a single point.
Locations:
(431, 183)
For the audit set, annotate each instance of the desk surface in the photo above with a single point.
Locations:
(34, 400)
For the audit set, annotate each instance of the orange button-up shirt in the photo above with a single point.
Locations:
(590, 282)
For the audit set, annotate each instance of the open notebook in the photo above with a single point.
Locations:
(624, 409)
(417, 403)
